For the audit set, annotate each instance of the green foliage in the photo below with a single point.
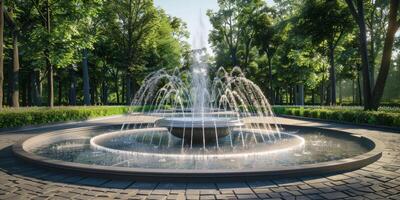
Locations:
(324, 20)
(352, 115)
(234, 31)
(34, 116)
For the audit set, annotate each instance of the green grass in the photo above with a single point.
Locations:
(386, 116)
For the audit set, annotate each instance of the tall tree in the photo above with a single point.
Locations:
(11, 18)
(233, 34)
(85, 71)
(267, 39)
(376, 22)
(1, 52)
(136, 18)
(373, 95)
(326, 22)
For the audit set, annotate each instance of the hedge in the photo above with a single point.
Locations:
(383, 118)
(10, 118)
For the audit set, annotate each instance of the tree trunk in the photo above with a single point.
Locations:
(364, 60)
(123, 90)
(86, 86)
(322, 93)
(340, 92)
(372, 53)
(332, 75)
(360, 19)
(271, 92)
(50, 83)
(313, 97)
(128, 90)
(25, 90)
(15, 71)
(359, 90)
(353, 92)
(104, 93)
(277, 96)
(117, 88)
(72, 87)
(1, 53)
(36, 88)
(92, 92)
(386, 55)
(29, 88)
(59, 91)
(288, 92)
(49, 66)
(234, 57)
(299, 94)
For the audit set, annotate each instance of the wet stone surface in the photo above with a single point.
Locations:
(380, 180)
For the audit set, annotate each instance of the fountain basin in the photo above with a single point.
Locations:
(199, 129)
(41, 150)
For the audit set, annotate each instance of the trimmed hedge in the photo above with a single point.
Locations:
(10, 118)
(383, 118)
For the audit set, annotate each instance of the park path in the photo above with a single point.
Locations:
(380, 180)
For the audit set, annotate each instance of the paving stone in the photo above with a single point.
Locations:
(334, 195)
(246, 196)
(92, 181)
(120, 184)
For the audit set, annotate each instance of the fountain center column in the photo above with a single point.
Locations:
(199, 84)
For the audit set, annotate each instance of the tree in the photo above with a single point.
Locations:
(267, 39)
(1, 52)
(233, 34)
(11, 18)
(376, 22)
(325, 22)
(137, 18)
(373, 95)
(58, 37)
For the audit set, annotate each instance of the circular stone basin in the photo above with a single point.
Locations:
(199, 129)
(154, 154)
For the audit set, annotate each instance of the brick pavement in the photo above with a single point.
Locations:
(380, 180)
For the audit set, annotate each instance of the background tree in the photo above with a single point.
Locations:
(267, 40)
(234, 32)
(1, 52)
(326, 22)
(373, 95)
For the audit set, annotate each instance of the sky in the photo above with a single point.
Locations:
(193, 12)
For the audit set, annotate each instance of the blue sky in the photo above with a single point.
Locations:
(193, 12)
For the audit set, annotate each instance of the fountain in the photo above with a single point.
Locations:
(199, 116)
(194, 126)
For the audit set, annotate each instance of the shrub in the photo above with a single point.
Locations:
(315, 113)
(289, 112)
(334, 115)
(349, 116)
(323, 114)
(34, 116)
(307, 113)
(363, 117)
(297, 112)
(385, 117)
(396, 121)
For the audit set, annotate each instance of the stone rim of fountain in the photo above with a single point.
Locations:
(199, 122)
(21, 150)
